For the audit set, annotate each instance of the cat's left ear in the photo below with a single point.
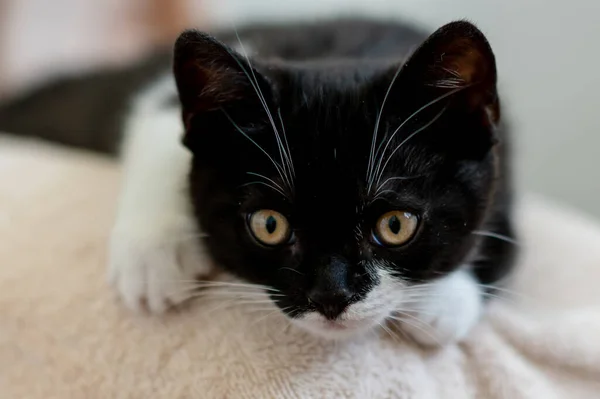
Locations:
(457, 57)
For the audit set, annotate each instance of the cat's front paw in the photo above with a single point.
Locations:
(446, 312)
(154, 272)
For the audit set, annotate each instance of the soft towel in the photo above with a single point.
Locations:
(63, 333)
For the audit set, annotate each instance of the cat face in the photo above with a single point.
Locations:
(340, 185)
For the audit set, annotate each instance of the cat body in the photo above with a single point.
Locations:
(354, 171)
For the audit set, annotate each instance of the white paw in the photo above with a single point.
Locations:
(447, 312)
(154, 273)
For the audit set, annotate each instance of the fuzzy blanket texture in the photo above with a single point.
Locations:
(64, 335)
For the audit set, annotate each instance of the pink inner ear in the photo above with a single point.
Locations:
(463, 63)
(210, 87)
(460, 65)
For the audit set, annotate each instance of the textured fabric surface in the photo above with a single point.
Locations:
(64, 335)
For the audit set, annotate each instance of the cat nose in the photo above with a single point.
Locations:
(331, 294)
(330, 303)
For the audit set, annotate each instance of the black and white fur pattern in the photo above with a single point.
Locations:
(147, 265)
(153, 266)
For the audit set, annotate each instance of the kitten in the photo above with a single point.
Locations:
(356, 168)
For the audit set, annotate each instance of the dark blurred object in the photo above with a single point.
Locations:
(85, 111)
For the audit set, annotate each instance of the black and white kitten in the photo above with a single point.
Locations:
(356, 168)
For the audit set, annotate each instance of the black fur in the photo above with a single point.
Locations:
(327, 81)
(328, 89)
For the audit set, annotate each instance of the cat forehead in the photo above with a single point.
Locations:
(327, 72)
(325, 83)
(334, 171)
(336, 142)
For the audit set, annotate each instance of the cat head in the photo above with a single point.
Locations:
(340, 185)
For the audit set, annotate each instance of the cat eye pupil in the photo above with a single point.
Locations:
(270, 227)
(271, 224)
(394, 228)
(394, 224)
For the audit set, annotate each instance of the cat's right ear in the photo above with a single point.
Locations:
(213, 79)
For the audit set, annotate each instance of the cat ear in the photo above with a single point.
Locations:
(457, 57)
(210, 76)
(216, 87)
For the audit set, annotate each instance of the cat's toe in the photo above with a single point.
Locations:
(153, 276)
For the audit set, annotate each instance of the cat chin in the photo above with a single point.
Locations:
(338, 329)
(443, 312)
(361, 317)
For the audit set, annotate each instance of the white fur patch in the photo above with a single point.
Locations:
(436, 313)
(362, 316)
(446, 311)
(155, 252)
(154, 249)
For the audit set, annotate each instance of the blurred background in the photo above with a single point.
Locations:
(547, 53)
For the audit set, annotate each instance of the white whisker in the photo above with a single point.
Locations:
(221, 306)
(417, 112)
(226, 293)
(234, 284)
(509, 294)
(262, 183)
(239, 129)
(235, 294)
(376, 130)
(287, 146)
(266, 309)
(268, 315)
(292, 270)
(263, 101)
(392, 179)
(379, 173)
(449, 83)
(388, 331)
(257, 302)
(193, 285)
(266, 178)
(413, 308)
(422, 326)
(381, 194)
(495, 235)
(284, 158)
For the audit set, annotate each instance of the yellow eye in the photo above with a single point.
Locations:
(395, 228)
(270, 227)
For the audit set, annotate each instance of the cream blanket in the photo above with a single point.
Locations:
(64, 335)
